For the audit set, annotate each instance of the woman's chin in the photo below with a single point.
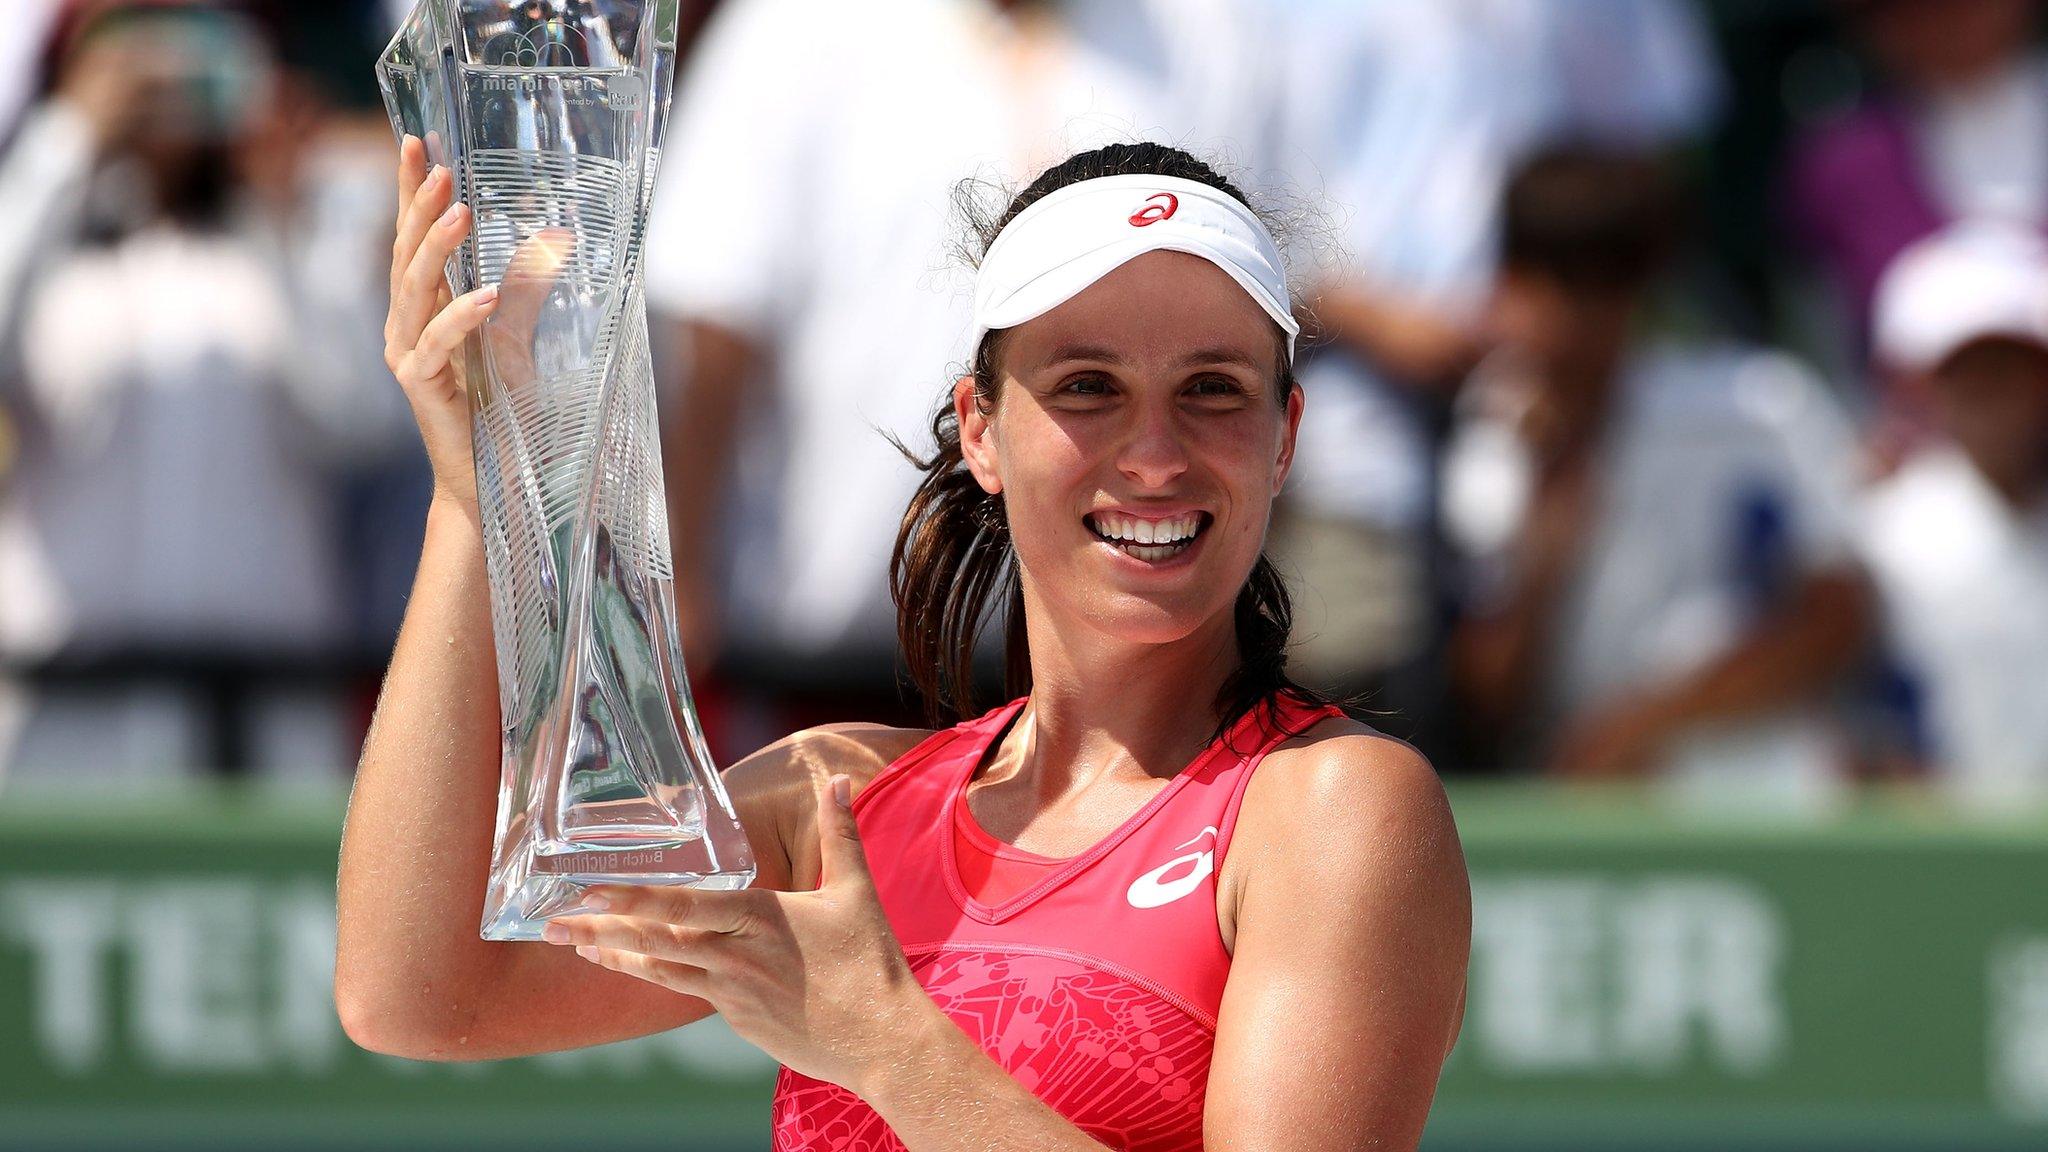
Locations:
(1150, 620)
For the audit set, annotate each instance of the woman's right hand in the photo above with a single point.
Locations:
(425, 330)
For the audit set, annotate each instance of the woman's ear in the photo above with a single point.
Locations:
(977, 436)
(1295, 400)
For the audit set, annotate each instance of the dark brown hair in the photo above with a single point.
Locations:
(1592, 218)
(954, 571)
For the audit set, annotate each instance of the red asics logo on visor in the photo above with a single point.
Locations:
(1153, 211)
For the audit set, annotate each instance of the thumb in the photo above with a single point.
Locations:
(839, 843)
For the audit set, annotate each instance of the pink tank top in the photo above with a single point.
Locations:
(1096, 986)
(990, 870)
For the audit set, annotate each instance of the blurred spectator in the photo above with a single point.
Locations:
(332, 230)
(802, 233)
(182, 374)
(1958, 538)
(1957, 126)
(1407, 118)
(1661, 576)
(1387, 120)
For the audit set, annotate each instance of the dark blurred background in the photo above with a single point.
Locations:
(1674, 474)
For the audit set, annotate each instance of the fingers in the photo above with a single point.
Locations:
(412, 303)
(839, 845)
(656, 938)
(437, 343)
(529, 278)
(531, 274)
(434, 195)
(412, 172)
(425, 197)
(702, 909)
(684, 978)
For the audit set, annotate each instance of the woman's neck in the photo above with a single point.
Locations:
(1102, 709)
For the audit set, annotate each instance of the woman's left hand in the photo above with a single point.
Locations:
(815, 979)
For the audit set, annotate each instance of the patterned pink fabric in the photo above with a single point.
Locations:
(1097, 987)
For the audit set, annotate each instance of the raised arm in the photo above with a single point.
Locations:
(47, 166)
(412, 976)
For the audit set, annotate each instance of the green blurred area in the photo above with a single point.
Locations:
(1642, 977)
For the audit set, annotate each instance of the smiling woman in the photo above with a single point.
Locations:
(1101, 490)
(1162, 294)
(1025, 928)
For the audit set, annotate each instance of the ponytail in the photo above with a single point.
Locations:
(952, 567)
(954, 571)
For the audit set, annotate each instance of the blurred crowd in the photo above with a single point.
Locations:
(1678, 407)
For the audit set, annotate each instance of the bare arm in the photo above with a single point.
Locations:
(1418, 346)
(412, 976)
(1494, 658)
(1347, 983)
(942, 1093)
(1787, 657)
(1791, 655)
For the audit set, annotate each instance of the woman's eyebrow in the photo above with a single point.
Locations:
(1236, 356)
(1091, 352)
(1202, 356)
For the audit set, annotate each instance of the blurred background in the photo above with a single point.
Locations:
(1674, 474)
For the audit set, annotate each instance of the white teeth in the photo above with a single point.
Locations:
(1163, 533)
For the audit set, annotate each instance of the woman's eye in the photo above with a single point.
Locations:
(1217, 386)
(1087, 386)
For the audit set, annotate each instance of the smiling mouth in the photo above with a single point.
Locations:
(1153, 541)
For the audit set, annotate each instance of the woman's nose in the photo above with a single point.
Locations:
(1154, 452)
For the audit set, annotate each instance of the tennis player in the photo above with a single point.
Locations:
(1161, 899)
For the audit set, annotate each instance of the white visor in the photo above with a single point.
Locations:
(1077, 235)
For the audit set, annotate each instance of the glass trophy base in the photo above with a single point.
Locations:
(553, 885)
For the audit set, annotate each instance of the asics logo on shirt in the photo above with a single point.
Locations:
(1154, 888)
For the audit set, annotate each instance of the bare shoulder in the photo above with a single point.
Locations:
(857, 749)
(1351, 936)
(1342, 777)
(775, 788)
(1342, 799)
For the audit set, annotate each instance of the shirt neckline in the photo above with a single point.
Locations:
(956, 792)
(985, 841)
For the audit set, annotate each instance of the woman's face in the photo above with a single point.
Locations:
(1138, 442)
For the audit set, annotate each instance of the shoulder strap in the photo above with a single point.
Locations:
(932, 747)
(1282, 718)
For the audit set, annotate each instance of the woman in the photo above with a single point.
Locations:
(1054, 948)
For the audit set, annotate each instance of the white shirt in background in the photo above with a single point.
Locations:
(805, 200)
(1719, 457)
(1964, 580)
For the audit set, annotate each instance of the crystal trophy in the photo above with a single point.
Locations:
(550, 115)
